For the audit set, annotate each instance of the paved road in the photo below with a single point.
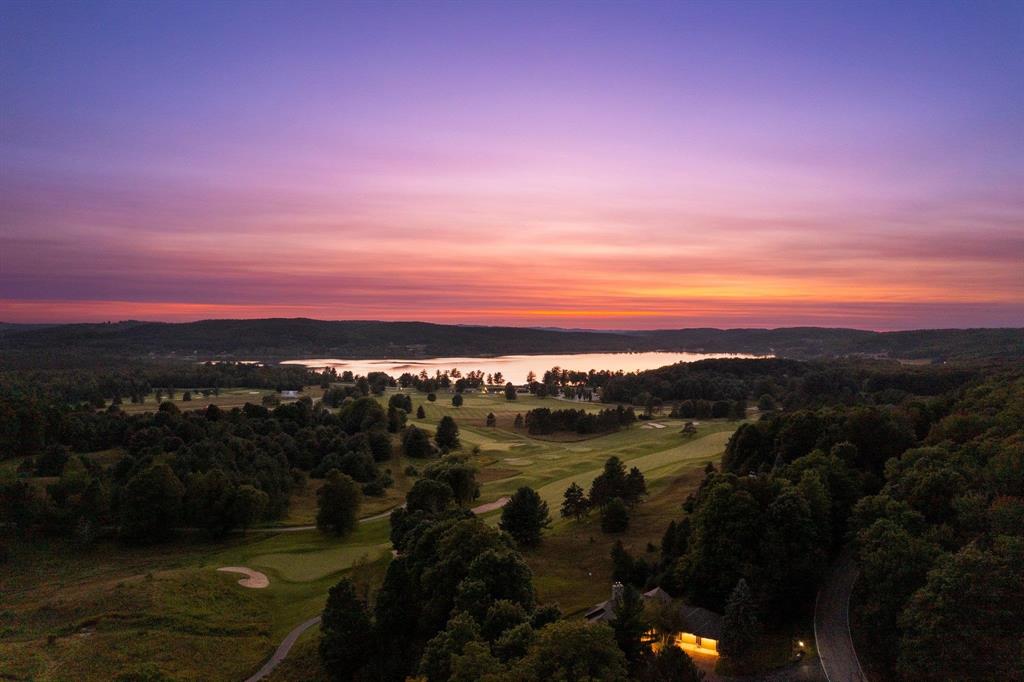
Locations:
(832, 622)
(283, 649)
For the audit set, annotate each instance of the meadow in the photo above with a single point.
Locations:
(116, 608)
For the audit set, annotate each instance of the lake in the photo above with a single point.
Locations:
(516, 367)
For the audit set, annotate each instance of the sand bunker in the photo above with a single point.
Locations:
(253, 579)
(491, 506)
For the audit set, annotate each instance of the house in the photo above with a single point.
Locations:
(700, 629)
(289, 394)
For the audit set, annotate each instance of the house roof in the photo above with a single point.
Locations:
(702, 622)
(696, 620)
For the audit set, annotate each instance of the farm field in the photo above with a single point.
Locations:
(113, 608)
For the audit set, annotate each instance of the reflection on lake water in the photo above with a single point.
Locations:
(514, 368)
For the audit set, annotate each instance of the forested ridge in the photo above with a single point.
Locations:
(299, 337)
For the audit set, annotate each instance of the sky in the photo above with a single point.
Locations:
(557, 164)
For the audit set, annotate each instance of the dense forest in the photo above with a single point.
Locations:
(928, 492)
(60, 345)
(213, 469)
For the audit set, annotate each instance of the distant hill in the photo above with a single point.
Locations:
(276, 339)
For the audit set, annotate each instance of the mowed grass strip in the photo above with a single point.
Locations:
(572, 566)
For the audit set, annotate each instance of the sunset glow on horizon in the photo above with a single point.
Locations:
(590, 165)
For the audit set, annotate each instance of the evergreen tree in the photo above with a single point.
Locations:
(614, 516)
(447, 435)
(575, 503)
(457, 400)
(510, 391)
(346, 638)
(630, 624)
(491, 419)
(740, 625)
(421, 413)
(525, 517)
(636, 486)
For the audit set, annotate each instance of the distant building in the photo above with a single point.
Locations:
(289, 394)
(701, 629)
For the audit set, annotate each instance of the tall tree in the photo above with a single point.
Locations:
(575, 503)
(740, 625)
(151, 505)
(525, 516)
(630, 624)
(346, 635)
(510, 391)
(338, 503)
(416, 443)
(614, 516)
(447, 435)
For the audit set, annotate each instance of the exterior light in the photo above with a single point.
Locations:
(801, 643)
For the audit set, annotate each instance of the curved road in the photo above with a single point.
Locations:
(832, 622)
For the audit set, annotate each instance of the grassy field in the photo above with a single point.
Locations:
(67, 614)
(228, 398)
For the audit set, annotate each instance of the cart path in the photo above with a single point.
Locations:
(481, 509)
(282, 650)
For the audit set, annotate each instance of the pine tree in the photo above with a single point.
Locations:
(447, 435)
(525, 517)
(614, 516)
(575, 503)
(630, 624)
(740, 626)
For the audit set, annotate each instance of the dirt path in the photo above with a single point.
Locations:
(253, 579)
(282, 650)
(832, 622)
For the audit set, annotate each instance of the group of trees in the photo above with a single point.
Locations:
(612, 492)
(941, 544)
(458, 604)
(211, 469)
(541, 420)
(138, 382)
(792, 383)
(929, 490)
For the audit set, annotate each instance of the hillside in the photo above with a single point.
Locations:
(271, 339)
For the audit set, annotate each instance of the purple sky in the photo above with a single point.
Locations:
(557, 164)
